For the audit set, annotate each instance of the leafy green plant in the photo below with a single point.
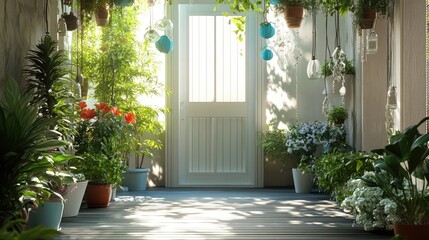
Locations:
(49, 85)
(274, 145)
(326, 68)
(28, 154)
(331, 6)
(404, 160)
(333, 170)
(306, 4)
(9, 231)
(121, 70)
(363, 6)
(337, 115)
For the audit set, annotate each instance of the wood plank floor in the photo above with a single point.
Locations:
(215, 214)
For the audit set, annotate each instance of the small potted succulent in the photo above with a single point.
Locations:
(337, 115)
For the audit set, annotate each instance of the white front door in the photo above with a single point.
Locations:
(216, 128)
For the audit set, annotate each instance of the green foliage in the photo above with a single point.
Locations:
(326, 68)
(362, 6)
(9, 231)
(122, 69)
(331, 6)
(49, 85)
(242, 5)
(333, 170)
(403, 160)
(306, 4)
(28, 153)
(337, 114)
(274, 145)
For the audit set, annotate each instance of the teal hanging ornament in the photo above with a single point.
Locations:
(266, 30)
(124, 3)
(164, 44)
(274, 2)
(267, 54)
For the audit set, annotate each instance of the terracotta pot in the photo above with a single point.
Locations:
(293, 16)
(368, 19)
(98, 195)
(412, 232)
(102, 15)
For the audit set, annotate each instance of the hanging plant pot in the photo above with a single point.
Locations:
(71, 21)
(102, 15)
(293, 16)
(368, 19)
(124, 3)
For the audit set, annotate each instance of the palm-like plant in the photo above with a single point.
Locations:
(26, 164)
(49, 85)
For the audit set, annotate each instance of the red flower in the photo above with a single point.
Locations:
(82, 104)
(87, 113)
(106, 109)
(101, 105)
(130, 118)
(115, 111)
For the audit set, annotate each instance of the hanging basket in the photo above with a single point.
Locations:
(102, 15)
(71, 21)
(368, 19)
(293, 16)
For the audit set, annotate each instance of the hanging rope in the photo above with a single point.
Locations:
(313, 51)
(325, 104)
(46, 17)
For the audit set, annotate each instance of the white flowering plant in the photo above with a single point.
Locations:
(370, 205)
(309, 139)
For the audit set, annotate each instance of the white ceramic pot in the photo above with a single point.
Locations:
(135, 179)
(73, 200)
(303, 182)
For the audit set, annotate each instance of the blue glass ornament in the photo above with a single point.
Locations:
(274, 2)
(164, 44)
(267, 54)
(266, 30)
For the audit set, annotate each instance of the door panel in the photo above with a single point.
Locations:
(215, 144)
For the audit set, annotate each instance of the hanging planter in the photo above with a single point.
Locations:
(124, 3)
(102, 15)
(266, 30)
(293, 15)
(368, 19)
(164, 44)
(71, 21)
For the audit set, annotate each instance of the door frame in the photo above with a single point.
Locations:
(171, 145)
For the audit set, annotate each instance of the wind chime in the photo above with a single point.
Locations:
(313, 67)
(163, 42)
(391, 103)
(338, 60)
(266, 31)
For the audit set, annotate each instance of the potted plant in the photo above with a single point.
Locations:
(307, 140)
(103, 135)
(293, 11)
(274, 145)
(337, 115)
(404, 162)
(29, 148)
(365, 12)
(347, 71)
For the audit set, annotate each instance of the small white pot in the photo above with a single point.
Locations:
(303, 182)
(73, 200)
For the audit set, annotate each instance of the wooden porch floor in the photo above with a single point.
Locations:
(215, 214)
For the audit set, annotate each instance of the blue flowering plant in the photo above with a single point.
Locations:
(311, 140)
